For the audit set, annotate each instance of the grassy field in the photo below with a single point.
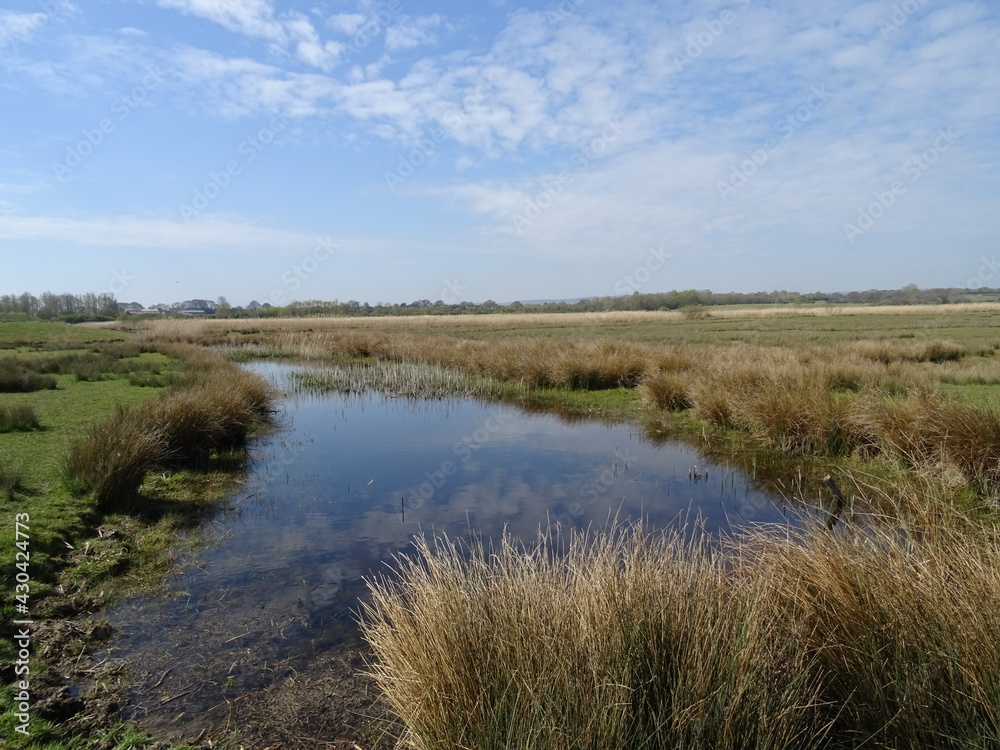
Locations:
(75, 403)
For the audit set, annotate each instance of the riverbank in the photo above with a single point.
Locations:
(127, 447)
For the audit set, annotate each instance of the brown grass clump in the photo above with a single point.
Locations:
(666, 390)
(112, 457)
(882, 635)
(620, 640)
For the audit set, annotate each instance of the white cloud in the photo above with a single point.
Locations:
(346, 23)
(251, 17)
(215, 233)
(412, 32)
(17, 28)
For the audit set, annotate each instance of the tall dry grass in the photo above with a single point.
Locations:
(197, 329)
(214, 410)
(883, 635)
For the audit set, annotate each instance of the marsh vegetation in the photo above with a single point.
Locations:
(879, 632)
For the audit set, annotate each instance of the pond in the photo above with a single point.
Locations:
(345, 484)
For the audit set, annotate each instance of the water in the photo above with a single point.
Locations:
(346, 483)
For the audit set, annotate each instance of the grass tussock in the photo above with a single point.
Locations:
(11, 480)
(215, 411)
(19, 419)
(883, 636)
(18, 377)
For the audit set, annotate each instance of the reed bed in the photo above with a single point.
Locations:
(196, 329)
(399, 379)
(882, 635)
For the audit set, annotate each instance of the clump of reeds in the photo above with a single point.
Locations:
(882, 635)
(18, 418)
(11, 480)
(666, 390)
(395, 379)
(114, 455)
(216, 411)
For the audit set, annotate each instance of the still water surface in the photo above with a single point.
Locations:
(348, 481)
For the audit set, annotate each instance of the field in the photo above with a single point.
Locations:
(875, 626)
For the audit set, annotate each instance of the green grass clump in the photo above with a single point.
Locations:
(20, 418)
(11, 480)
(17, 377)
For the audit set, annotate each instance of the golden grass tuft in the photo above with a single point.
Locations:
(883, 634)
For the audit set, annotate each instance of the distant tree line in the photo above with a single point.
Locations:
(68, 307)
(74, 308)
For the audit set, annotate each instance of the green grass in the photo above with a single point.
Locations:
(40, 456)
(43, 334)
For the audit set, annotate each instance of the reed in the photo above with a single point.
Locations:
(399, 379)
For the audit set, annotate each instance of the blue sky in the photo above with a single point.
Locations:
(171, 149)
